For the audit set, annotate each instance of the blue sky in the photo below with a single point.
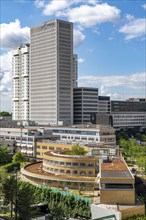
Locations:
(109, 38)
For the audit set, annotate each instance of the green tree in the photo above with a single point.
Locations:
(5, 114)
(25, 201)
(77, 150)
(18, 157)
(9, 191)
(4, 155)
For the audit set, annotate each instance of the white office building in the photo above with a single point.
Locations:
(51, 83)
(20, 73)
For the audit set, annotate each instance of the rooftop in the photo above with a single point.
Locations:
(115, 168)
(36, 170)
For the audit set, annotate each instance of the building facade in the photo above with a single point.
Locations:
(51, 90)
(130, 113)
(104, 105)
(85, 104)
(24, 139)
(20, 73)
(61, 170)
(84, 134)
(75, 70)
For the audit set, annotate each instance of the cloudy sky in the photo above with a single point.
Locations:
(109, 38)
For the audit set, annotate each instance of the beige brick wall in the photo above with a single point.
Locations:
(117, 196)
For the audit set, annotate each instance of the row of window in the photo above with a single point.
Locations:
(74, 172)
(61, 183)
(68, 164)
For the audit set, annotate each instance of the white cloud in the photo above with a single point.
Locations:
(93, 2)
(6, 82)
(6, 101)
(144, 6)
(129, 17)
(55, 7)
(5, 72)
(87, 13)
(118, 87)
(134, 28)
(88, 16)
(12, 35)
(78, 37)
(39, 3)
(81, 60)
(6, 61)
(135, 81)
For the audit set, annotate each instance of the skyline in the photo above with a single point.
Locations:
(110, 46)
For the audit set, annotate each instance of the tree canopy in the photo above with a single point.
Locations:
(18, 157)
(5, 114)
(4, 155)
(76, 149)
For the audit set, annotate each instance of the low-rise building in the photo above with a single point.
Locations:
(61, 170)
(116, 178)
(85, 134)
(117, 191)
(24, 138)
(97, 150)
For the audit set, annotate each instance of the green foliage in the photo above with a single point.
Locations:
(11, 167)
(60, 205)
(4, 155)
(9, 191)
(25, 200)
(135, 151)
(18, 157)
(77, 150)
(143, 137)
(5, 114)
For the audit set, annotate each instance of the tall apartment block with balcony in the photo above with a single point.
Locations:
(20, 72)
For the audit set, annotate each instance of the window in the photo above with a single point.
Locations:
(61, 171)
(68, 183)
(44, 147)
(68, 164)
(61, 163)
(82, 164)
(90, 165)
(75, 164)
(68, 171)
(82, 173)
(75, 172)
(90, 173)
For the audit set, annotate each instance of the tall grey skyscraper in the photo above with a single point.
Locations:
(51, 83)
(20, 73)
(75, 70)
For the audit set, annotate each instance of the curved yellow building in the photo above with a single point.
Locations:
(61, 170)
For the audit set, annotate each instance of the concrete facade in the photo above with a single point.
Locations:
(20, 73)
(85, 104)
(51, 90)
(75, 70)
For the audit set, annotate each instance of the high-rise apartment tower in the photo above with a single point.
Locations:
(20, 73)
(51, 83)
